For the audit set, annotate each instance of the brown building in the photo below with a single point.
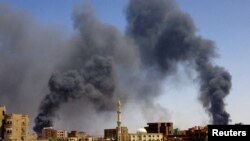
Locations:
(166, 128)
(196, 133)
(111, 134)
(48, 133)
(51, 133)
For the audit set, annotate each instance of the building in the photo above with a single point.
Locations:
(51, 133)
(111, 134)
(14, 127)
(119, 133)
(48, 133)
(166, 128)
(142, 135)
(196, 133)
(80, 136)
(61, 134)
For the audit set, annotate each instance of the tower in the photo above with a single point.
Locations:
(119, 121)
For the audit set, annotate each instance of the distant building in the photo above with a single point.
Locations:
(61, 134)
(51, 133)
(111, 134)
(79, 136)
(142, 135)
(166, 128)
(48, 132)
(196, 133)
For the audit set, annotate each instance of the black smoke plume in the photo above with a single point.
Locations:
(165, 37)
(98, 50)
(93, 82)
(98, 64)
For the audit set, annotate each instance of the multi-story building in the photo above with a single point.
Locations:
(48, 132)
(61, 134)
(142, 135)
(16, 127)
(111, 134)
(166, 128)
(51, 133)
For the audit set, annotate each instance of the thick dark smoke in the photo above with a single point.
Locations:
(99, 64)
(90, 73)
(93, 82)
(166, 37)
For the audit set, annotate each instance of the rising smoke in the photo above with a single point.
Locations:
(166, 37)
(100, 64)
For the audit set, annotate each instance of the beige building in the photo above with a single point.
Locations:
(15, 127)
(61, 134)
(142, 135)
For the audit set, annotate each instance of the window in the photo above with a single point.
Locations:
(23, 130)
(149, 135)
(9, 131)
(9, 122)
(157, 135)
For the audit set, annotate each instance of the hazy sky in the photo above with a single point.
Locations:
(226, 22)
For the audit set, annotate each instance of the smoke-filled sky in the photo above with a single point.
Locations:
(226, 23)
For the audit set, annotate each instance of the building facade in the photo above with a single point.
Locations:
(48, 133)
(166, 128)
(111, 134)
(16, 127)
(51, 133)
(142, 135)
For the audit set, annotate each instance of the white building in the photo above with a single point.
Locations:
(142, 135)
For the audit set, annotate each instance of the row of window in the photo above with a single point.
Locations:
(10, 122)
(146, 140)
(148, 136)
